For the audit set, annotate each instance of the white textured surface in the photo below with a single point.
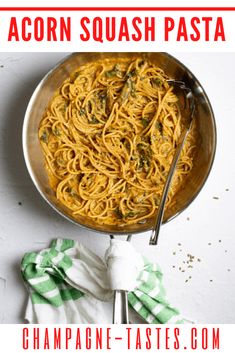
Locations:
(32, 225)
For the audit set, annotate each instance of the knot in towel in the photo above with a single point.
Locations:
(124, 264)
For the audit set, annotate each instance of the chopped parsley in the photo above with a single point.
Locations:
(82, 111)
(159, 126)
(114, 72)
(156, 81)
(145, 122)
(145, 155)
(118, 213)
(44, 137)
(130, 214)
(72, 193)
(131, 73)
(56, 132)
(93, 120)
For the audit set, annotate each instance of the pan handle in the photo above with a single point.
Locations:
(120, 303)
(120, 307)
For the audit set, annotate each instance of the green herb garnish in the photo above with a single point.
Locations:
(145, 122)
(93, 120)
(118, 213)
(159, 126)
(72, 193)
(156, 81)
(82, 111)
(132, 85)
(144, 162)
(130, 214)
(131, 73)
(126, 90)
(44, 137)
(114, 72)
(56, 132)
(140, 147)
(110, 73)
(145, 155)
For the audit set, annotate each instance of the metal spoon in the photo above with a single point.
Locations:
(190, 99)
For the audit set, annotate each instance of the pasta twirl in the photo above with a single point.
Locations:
(109, 136)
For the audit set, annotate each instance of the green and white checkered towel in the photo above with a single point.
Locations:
(69, 284)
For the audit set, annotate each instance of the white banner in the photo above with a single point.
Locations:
(96, 29)
(117, 338)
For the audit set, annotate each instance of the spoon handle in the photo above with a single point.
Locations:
(191, 103)
(155, 232)
(120, 307)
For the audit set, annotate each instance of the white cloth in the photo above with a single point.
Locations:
(94, 277)
(124, 264)
(69, 284)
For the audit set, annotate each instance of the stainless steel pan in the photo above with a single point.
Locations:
(206, 138)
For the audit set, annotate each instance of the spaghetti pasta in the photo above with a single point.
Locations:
(109, 135)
